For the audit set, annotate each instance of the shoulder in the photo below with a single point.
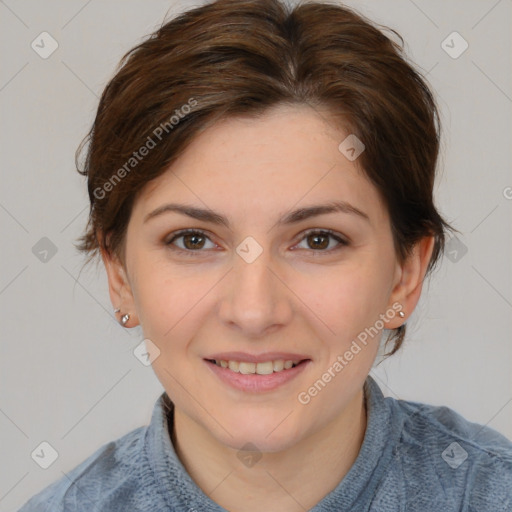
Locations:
(115, 468)
(466, 463)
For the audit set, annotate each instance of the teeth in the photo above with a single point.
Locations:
(265, 368)
(278, 365)
(247, 368)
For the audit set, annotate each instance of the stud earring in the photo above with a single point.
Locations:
(117, 310)
(401, 314)
(124, 319)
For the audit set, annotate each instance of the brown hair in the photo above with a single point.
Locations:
(242, 57)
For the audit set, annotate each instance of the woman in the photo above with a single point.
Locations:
(261, 185)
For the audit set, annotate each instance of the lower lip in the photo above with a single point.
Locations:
(254, 383)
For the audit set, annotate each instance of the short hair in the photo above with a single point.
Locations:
(232, 58)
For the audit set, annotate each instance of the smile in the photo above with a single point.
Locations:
(265, 368)
(256, 377)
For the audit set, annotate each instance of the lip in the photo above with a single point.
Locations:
(257, 358)
(255, 383)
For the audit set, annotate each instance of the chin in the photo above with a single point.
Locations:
(257, 443)
(270, 434)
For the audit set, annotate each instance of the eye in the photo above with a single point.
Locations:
(193, 241)
(319, 241)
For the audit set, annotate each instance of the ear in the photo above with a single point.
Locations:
(120, 289)
(409, 281)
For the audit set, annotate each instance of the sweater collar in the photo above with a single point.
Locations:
(354, 491)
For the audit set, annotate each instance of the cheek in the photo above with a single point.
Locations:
(173, 303)
(163, 303)
(345, 300)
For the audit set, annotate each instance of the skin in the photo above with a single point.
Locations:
(306, 300)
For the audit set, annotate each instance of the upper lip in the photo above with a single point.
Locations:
(257, 358)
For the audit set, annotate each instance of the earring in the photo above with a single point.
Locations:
(401, 314)
(117, 310)
(124, 319)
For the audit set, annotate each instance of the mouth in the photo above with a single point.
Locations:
(263, 368)
(251, 377)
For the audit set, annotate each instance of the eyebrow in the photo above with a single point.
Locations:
(287, 219)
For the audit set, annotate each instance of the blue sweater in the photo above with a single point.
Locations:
(414, 458)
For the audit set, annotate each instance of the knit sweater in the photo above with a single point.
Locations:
(414, 458)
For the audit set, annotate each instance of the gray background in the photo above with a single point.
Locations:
(68, 373)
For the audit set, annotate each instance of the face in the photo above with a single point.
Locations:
(262, 286)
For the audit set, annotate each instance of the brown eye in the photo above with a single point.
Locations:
(192, 241)
(320, 240)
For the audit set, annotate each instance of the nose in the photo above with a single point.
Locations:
(256, 299)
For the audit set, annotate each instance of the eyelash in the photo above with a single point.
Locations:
(326, 232)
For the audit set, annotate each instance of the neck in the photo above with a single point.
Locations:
(294, 480)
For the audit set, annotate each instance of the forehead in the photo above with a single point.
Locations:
(265, 165)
